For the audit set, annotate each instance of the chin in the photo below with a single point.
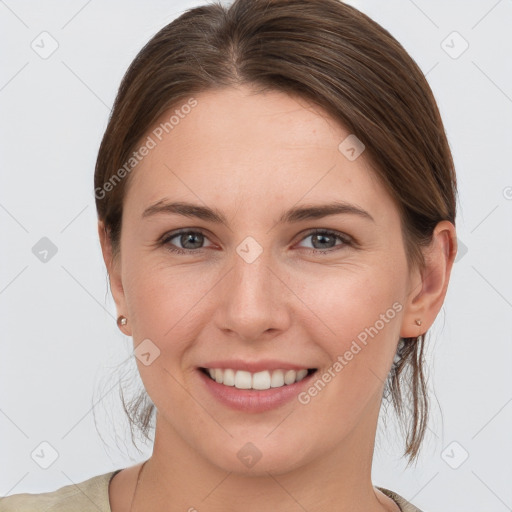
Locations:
(257, 457)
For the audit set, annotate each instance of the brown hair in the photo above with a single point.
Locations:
(326, 52)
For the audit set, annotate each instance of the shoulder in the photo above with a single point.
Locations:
(89, 495)
(404, 505)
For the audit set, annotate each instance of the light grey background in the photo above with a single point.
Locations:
(60, 346)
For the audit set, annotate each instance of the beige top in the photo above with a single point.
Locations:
(92, 496)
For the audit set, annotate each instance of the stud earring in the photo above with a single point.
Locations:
(418, 321)
(121, 320)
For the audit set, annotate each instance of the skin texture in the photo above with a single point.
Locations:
(252, 156)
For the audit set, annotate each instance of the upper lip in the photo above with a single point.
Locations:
(254, 366)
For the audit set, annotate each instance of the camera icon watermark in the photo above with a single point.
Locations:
(454, 455)
(44, 455)
(44, 250)
(351, 147)
(462, 250)
(249, 454)
(146, 352)
(45, 45)
(249, 250)
(454, 45)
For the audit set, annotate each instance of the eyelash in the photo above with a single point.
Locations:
(347, 241)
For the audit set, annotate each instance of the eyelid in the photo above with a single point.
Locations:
(344, 237)
(320, 231)
(346, 240)
(164, 239)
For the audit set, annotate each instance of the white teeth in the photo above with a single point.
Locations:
(229, 377)
(301, 374)
(277, 379)
(260, 380)
(289, 377)
(243, 380)
(219, 374)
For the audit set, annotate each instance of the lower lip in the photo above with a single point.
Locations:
(250, 400)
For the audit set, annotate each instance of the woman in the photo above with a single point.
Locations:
(276, 205)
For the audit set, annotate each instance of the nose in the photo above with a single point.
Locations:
(253, 301)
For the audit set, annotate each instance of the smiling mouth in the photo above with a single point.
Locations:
(266, 379)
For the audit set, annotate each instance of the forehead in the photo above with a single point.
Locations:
(246, 147)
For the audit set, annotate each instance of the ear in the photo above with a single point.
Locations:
(428, 287)
(114, 274)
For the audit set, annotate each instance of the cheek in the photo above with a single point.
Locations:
(358, 317)
(165, 305)
(358, 329)
(166, 302)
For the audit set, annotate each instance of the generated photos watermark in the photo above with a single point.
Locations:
(152, 140)
(342, 360)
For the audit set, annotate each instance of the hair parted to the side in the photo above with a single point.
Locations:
(334, 56)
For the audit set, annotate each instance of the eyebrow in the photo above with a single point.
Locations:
(296, 214)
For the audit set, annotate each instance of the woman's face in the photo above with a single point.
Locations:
(255, 288)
